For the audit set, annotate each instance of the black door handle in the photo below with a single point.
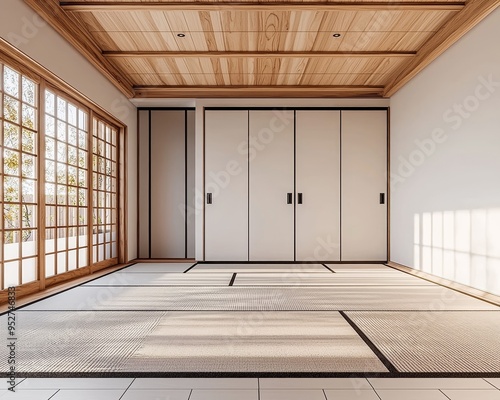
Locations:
(289, 198)
(299, 198)
(209, 198)
(382, 198)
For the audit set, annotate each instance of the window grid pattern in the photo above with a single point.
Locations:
(66, 185)
(19, 197)
(104, 167)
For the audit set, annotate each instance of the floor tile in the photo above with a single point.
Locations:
(473, 394)
(351, 395)
(158, 394)
(81, 394)
(75, 383)
(224, 395)
(195, 383)
(27, 394)
(301, 394)
(411, 395)
(429, 383)
(314, 383)
(494, 381)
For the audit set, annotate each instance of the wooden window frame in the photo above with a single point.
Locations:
(45, 79)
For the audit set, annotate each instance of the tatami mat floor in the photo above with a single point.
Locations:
(269, 320)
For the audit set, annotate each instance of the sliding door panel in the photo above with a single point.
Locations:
(364, 185)
(191, 187)
(226, 185)
(271, 186)
(318, 185)
(167, 184)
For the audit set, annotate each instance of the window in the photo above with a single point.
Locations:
(66, 185)
(58, 182)
(19, 206)
(104, 166)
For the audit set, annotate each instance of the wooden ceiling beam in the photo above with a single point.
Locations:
(78, 6)
(461, 23)
(257, 91)
(256, 54)
(69, 28)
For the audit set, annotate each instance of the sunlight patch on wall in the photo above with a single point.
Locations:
(462, 246)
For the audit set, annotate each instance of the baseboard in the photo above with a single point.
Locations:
(459, 287)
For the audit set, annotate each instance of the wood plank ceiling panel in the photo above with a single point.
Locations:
(253, 46)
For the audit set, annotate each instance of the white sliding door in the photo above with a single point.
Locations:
(364, 185)
(226, 185)
(271, 219)
(167, 184)
(318, 185)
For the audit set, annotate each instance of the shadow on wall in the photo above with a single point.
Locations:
(462, 246)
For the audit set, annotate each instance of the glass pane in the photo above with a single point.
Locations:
(11, 189)
(50, 171)
(61, 131)
(61, 151)
(50, 148)
(72, 155)
(50, 126)
(50, 216)
(12, 218)
(11, 82)
(29, 91)
(61, 262)
(28, 219)
(29, 143)
(72, 176)
(50, 265)
(11, 136)
(11, 109)
(50, 193)
(49, 103)
(29, 166)
(61, 173)
(28, 191)
(11, 162)
(29, 117)
(11, 270)
(29, 244)
(72, 115)
(61, 109)
(29, 270)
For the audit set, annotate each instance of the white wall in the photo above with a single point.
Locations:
(445, 164)
(24, 29)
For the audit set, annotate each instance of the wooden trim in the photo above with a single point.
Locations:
(468, 290)
(122, 197)
(265, 54)
(104, 264)
(66, 276)
(21, 290)
(90, 191)
(461, 23)
(388, 196)
(70, 28)
(257, 91)
(41, 184)
(79, 6)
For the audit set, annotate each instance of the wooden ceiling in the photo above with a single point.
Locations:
(262, 48)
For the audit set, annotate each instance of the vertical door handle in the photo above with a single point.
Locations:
(209, 198)
(289, 198)
(299, 198)
(382, 198)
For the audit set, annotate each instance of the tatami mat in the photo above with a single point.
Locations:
(346, 279)
(158, 267)
(230, 267)
(435, 341)
(162, 279)
(238, 298)
(255, 342)
(78, 342)
(195, 342)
